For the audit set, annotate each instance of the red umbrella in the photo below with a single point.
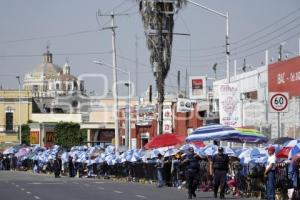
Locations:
(165, 140)
(284, 152)
(198, 143)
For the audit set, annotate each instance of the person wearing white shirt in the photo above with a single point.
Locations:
(270, 174)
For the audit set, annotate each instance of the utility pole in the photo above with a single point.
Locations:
(215, 70)
(20, 124)
(226, 16)
(115, 84)
(235, 66)
(244, 65)
(186, 82)
(178, 83)
(136, 65)
(280, 52)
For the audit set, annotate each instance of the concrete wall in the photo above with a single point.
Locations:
(48, 117)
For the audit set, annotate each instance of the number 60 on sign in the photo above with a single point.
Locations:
(278, 101)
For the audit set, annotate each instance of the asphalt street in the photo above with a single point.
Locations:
(28, 186)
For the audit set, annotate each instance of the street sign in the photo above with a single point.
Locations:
(278, 101)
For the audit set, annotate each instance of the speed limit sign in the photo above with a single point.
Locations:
(278, 101)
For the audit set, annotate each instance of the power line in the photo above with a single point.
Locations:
(268, 34)
(271, 46)
(51, 36)
(57, 54)
(267, 41)
(266, 27)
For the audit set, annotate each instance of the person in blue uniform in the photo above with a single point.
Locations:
(219, 168)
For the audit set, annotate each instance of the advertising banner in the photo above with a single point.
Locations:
(34, 137)
(167, 126)
(197, 85)
(284, 76)
(184, 105)
(229, 100)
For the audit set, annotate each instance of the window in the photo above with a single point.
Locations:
(35, 88)
(251, 95)
(9, 121)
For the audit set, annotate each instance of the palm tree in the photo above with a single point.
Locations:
(157, 17)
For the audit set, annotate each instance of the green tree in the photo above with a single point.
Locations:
(68, 134)
(25, 130)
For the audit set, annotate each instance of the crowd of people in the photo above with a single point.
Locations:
(216, 173)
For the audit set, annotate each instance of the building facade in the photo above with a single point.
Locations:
(50, 80)
(15, 110)
(249, 101)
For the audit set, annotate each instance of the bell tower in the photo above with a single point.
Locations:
(47, 57)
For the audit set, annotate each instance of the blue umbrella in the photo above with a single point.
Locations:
(170, 152)
(220, 132)
(294, 151)
(212, 132)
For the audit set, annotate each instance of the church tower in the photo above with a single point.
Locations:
(47, 57)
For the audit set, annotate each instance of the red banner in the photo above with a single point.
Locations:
(284, 76)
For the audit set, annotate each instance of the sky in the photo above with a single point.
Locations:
(71, 29)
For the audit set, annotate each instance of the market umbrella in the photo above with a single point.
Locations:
(170, 152)
(280, 140)
(165, 140)
(294, 151)
(212, 132)
(284, 152)
(252, 154)
(249, 135)
(198, 144)
(23, 151)
(220, 132)
(291, 143)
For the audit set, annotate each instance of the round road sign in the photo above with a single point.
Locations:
(279, 102)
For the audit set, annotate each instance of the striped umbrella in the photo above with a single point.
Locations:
(220, 132)
(250, 135)
(212, 132)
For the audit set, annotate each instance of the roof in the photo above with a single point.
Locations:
(66, 77)
(49, 70)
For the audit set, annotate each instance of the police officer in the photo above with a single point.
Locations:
(192, 172)
(219, 167)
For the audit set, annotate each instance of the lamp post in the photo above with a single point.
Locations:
(128, 130)
(128, 139)
(227, 34)
(20, 132)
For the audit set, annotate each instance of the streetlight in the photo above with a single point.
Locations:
(128, 130)
(227, 33)
(20, 133)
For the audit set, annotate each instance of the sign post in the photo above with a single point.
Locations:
(278, 103)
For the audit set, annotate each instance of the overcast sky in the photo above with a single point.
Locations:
(69, 27)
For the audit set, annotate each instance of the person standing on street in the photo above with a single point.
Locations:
(270, 173)
(219, 168)
(57, 167)
(160, 167)
(192, 172)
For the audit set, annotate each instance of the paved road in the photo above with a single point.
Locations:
(28, 186)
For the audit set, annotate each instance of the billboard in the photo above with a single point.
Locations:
(184, 105)
(229, 100)
(197, 85)
(284, 76)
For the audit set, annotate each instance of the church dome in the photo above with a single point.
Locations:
(48, 70)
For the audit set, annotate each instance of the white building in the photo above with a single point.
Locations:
(50, 80)
(250, 104)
